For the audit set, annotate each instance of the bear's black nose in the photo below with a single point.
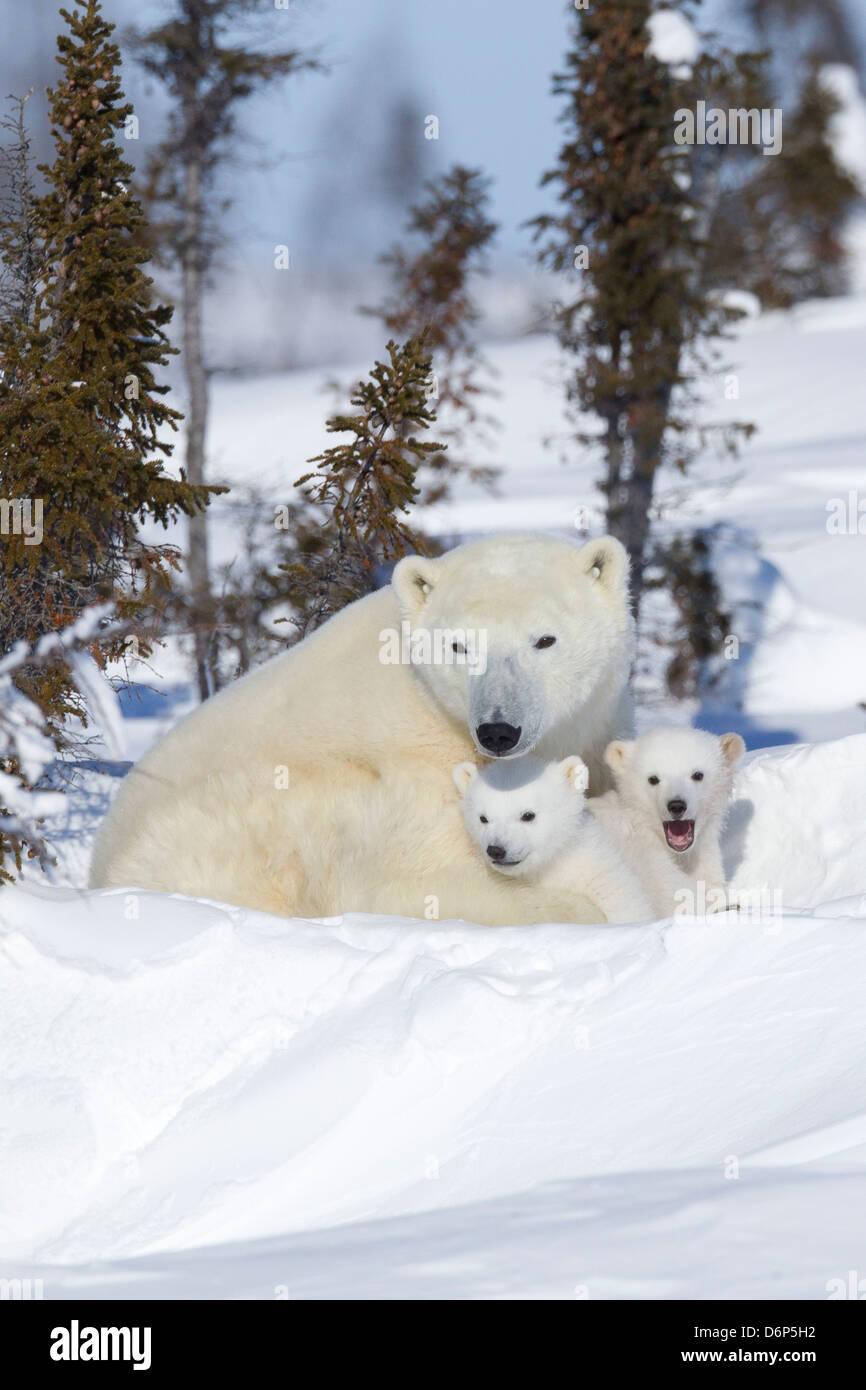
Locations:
(497, 738)
(676, 807)
(496, 853)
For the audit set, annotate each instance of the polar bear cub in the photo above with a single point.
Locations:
(672, 789)
(528, 819)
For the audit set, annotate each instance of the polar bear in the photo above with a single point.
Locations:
(321, 782)
(528, 819)
(666, 813)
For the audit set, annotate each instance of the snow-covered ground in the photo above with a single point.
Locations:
(211, 1099)
(202, 1101)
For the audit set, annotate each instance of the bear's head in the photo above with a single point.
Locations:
(523, 812)
(677, 781)
(515, 635)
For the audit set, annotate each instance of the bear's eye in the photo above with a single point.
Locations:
(458, 647)
(653, 781)
(543, 642)
(483, 820)
(697, 777)
(528, 815)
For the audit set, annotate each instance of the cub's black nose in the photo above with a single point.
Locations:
(676, 807)
(496, 853)
(497, 738)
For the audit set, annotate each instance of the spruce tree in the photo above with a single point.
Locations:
(20, 252)
(450, 233)
(628, 230)
(362, 488)
(796, 30)
(698, 621)
(83, 420)
(779, 232)
(816, 192)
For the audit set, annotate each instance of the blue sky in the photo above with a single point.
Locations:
(483, 67)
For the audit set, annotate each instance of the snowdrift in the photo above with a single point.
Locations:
(206, 1096)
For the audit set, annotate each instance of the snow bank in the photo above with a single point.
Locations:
(679, 1234)
(178, 1073)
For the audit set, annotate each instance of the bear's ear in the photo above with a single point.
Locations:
(616, 754)
(413, 578)
(576, 772)
(732, 747)
(463, 774)
(605, 561)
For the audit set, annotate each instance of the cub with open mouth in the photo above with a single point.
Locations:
(528, 819)
(672, 789)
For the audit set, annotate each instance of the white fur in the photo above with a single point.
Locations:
(370, 819)
(689, 881)
(529, 820)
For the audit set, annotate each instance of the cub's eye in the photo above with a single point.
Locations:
(528, 815)
(697, 777)
(458, 647)
(653, 781)
(543, 642)
(483, 820)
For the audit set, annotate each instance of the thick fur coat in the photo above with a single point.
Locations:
(321, 782)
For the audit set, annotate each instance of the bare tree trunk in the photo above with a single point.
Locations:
(632, 516)
(635, 520)
(614, 458)
(198, 565)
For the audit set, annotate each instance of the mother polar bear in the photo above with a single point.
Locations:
(321, 782)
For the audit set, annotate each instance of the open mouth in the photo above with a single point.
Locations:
(680, 834)
(507, 863)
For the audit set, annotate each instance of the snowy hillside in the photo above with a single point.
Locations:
(206, 1096)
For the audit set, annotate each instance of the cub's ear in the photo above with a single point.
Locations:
(575, 771)
(732, 747)
(616, 754)
(605, 561)
(463, 774)
(413, 579)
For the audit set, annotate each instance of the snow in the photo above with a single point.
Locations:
(211, 1098)
(24, 741)
(674, 40)
(678, 1234)
(201, 1101)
